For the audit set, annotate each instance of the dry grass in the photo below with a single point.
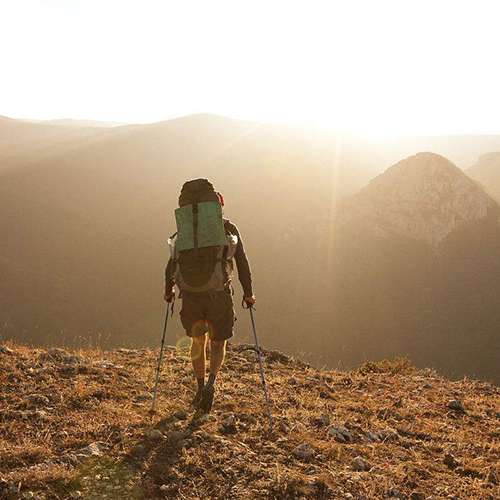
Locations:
(405, 410)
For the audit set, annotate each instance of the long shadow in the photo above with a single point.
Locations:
(159, 457)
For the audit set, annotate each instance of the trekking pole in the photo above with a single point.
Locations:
(160, 357)
(257, 348)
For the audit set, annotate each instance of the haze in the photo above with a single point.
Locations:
(383, 67)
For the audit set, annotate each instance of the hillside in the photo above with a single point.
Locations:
(487, 172)
(416, 271)
(76, 424)
(105, 205)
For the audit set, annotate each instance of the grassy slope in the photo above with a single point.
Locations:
(407, 408)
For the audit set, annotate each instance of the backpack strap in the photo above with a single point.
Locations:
(195, 228)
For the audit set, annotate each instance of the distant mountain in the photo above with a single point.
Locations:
(417, 271)
(487, 171)
(425, 197)
(83, 123)
(23, 142)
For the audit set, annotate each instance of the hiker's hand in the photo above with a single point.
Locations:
(169, 296)
(250, 300)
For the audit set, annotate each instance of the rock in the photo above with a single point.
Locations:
(395, 493)
(313, 487)
(6, 350)
(273, 356)
(70, 360)
(323, 420)
(122, 350)
(155, 435)
(389, 435)
(67, 370)
(56, 398)
(372, 437)
(228, 424)
(76, 494)
(41, 414)
(492, 476)
(417, 495)
(360, 465)
(303, 451)
(456, 405)
(175, 436)
(37, 399)
(340, 434)
(108, 364)
(292, 381)
(92, 450)
(55, 352)
(181, 414)
(348, 496)
(99, 394)
(450, 461)
(28, 494)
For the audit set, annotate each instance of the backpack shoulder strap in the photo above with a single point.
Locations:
(227, 222)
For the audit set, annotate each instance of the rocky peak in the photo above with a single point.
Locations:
(487, 172)
(424, 197)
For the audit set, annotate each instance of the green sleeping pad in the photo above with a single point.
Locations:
(210, 226)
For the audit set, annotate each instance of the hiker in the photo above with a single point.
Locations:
(201, 265)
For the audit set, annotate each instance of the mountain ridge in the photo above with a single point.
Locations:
(424, 196)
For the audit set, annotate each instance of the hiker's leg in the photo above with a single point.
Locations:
(217, 354)
(220, 322)
(198, 355)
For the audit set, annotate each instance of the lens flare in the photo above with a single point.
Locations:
(183, 344)
(199, 328)
(197, 349)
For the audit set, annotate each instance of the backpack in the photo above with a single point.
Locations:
(203, 248)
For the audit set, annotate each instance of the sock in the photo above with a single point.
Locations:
(201, 382)
(211, 379)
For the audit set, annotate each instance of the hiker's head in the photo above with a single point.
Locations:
(199, 191)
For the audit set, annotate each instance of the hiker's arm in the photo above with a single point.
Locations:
(169, 282)
(244, 273)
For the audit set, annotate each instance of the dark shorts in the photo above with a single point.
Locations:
(208, 312)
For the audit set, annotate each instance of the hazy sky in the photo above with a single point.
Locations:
(367, 66)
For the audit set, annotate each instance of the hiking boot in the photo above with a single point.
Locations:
(197, 397)
(207, 398)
